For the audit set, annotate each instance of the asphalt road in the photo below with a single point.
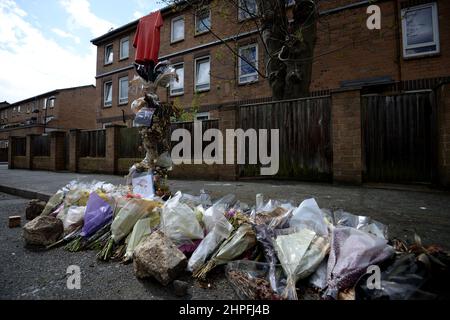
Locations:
(26, 274)
(31, 275)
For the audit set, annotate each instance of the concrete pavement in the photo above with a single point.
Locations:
(404, 211)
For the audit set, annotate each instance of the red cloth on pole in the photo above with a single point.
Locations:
(147, 39)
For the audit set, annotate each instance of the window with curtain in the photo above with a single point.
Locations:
(109, 54)
(124, 48)
(247, 9)
(248, 63)
(420, 30)
(177, 29)
(123, 90)
(202, 74)
(203, 20)
(177, 88)
(107, 94)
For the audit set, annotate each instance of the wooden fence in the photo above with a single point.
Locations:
(41, 146)
(131, 142)
(20, 147)
(306, 150)
(93, 144)
(399, 138)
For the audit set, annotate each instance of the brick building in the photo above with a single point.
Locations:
(347, 53)
(61, 109)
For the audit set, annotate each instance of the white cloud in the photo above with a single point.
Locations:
(138, 14)
(64, 34)
(31, 63)
(81, 16)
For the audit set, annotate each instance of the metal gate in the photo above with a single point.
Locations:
(399, 138)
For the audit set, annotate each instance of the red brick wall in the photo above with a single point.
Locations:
(345, 50)
(76, 109)
(346, 133)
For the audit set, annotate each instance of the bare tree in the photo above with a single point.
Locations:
(288, 43)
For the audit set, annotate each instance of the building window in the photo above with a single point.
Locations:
(420, 30)
(203, 20)
(109, 54)
(124, 48)
(177, 88)
(247, 9)
(123, 90)
(107, 94)
(106, 125)
(51, 102)
(177, 31)
(289, 2)
(202, 116)
(49, 118)
(19, 109)
(248, 63)
(202, 74)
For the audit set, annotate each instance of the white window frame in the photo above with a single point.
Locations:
(255, 73)
(203, 114)
(122, 54)
(197, 22)
(51, 102)
(106, 124)
(435, 42)
(106, 52)
(242, 14)
(178, 93)
(122, 101)
(19, 109)
(196, 61)
(172, 39)
(105, 103)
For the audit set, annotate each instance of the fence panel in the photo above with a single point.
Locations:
(93, 144)
(189, 126)
(399, 138)
(306, 151)
(130, 143)
(20, 147)
(41, 146)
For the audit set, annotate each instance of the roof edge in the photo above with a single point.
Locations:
(47, 94)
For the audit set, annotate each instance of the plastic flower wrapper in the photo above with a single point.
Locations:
(238, 243)
(179, 222)
(249, 280)
(318, 279)
(73, 219)
(218, 228)
(309, 215)
(291, 249)
(203, 199)
(352, 252)
(141, 229)
(362, 223)
(402, 280)
(131, 213)
(55, 201)
(316, 253)
(98, 214)
(265, 236)
(273, 212)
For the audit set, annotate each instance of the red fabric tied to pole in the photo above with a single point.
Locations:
(147, 38)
